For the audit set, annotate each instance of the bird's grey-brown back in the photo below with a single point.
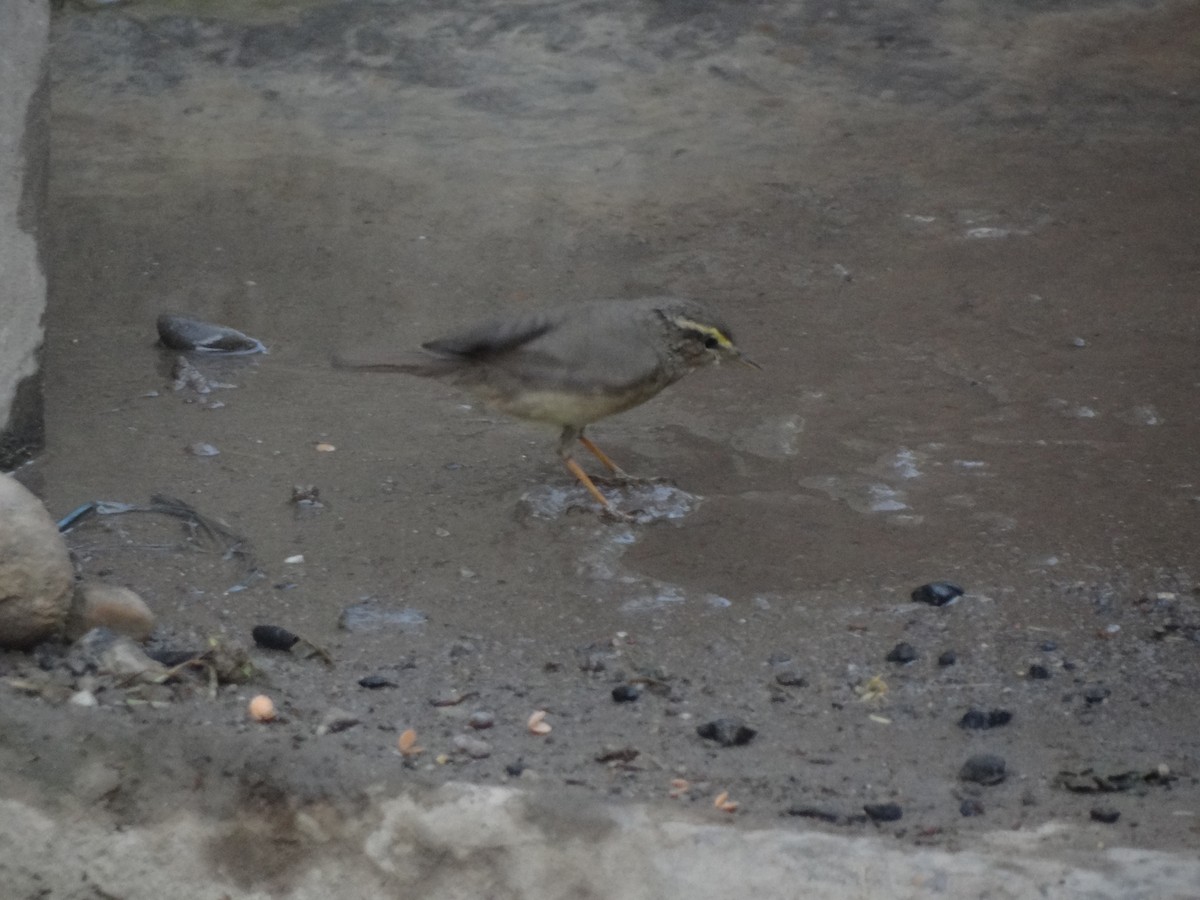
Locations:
(596, 339)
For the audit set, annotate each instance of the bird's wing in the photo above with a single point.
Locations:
(490, 339)
(581, 354)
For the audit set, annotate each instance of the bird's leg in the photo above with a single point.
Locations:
(569, 435)
(577, 470)
(617, 472)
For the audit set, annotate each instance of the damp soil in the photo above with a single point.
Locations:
(960, 240)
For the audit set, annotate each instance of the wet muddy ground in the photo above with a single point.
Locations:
(961, 240)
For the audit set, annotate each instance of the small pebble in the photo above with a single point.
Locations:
(262, 709)
(970, 807)
(514, 769)
(481, 719)
(883, 812)
(626, 693)
(937, 593)
(984, 768)
(200, 448)
(727, 732)
(374, 682)
(903, 653)
(1095, 693)
(337, 720)
(1038, 672)
(84, 698)
(948, 658)
(609, 754)
(273, 637)
(977, 719)
(791, 678)
(474, 747)
(1048, 646)
(1105, 814)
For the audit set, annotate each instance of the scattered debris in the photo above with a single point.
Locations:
(883, 812)
(790, 678)
(874, 688)
(626, 693)
(984, 768)
(83, 698)
(937, 593)
(1089, 781)
(474, 747)
(1038, 672)
(537, 723)
(336, 720)
(453, 699)
(407, 743)
(1105, 814)
(107, 653)
(182, 333)
(723, 803)
(274, 637)
(368, 616)
(902, 653)
(306, 497)
(262, 709)
(727, 732)
(617, 754)
(374, 682)
(231, 544)
(977, 719)
(970, 807)
(481, 720)
(1095, 693)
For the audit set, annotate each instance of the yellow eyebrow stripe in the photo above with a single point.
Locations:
(707, 330)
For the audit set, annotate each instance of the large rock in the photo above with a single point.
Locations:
(36, 576)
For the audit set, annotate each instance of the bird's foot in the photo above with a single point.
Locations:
(621, 477)
(619, 517)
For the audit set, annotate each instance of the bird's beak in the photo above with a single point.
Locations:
(747, 361)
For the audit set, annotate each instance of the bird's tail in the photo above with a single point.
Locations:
(408, 362)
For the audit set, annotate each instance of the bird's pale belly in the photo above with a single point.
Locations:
(561, 408)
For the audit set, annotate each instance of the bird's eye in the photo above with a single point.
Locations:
(711, 343)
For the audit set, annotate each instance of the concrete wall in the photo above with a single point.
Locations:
(24, 157)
